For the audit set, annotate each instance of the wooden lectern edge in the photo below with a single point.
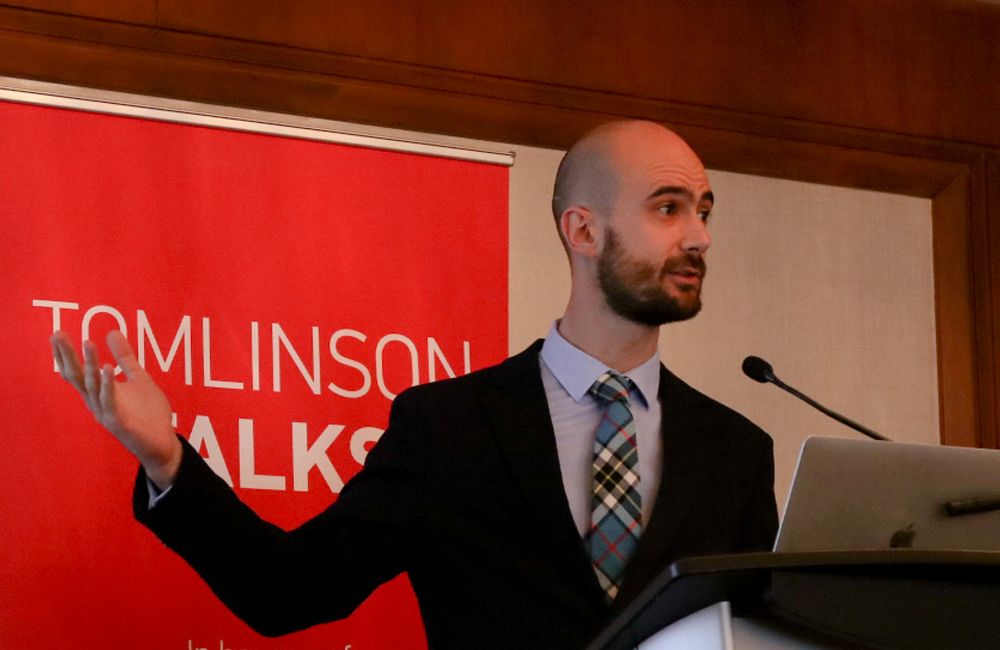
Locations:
(828, 559)
(978, 565)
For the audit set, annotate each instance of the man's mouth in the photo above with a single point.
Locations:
(688, 269)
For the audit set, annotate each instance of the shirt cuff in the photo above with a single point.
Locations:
(155, 494)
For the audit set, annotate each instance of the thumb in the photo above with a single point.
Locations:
(123, 354)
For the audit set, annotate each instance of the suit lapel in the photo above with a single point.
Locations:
(683, 479)
(517, 410)
(516, 407)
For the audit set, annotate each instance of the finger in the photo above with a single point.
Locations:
(107, 394)
(57, 355)
(123, 354)
(92, 376)
(67, 360)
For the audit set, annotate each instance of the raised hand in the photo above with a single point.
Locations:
(135, 411)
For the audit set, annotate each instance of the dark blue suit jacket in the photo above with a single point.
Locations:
(464, 493)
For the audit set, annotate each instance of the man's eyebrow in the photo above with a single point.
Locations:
(683, 191)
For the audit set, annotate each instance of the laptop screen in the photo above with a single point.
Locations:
(868, 495)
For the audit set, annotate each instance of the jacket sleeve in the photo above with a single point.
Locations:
(281, 581)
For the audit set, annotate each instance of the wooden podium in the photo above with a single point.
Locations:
(902, 599)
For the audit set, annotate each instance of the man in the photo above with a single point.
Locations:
(483, 487)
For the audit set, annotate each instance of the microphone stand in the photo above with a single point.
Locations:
(836, 416)
(761, 371)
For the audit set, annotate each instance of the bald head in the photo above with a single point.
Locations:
(588, 174)
(591, 173)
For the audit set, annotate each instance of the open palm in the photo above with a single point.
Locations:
(135, 411)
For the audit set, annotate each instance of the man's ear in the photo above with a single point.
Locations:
(581, 232)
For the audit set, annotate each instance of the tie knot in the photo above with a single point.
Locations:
(611, 386)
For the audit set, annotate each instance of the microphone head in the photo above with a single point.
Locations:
(757, 369)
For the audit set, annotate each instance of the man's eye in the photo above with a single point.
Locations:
(705, 215)
(668, 208)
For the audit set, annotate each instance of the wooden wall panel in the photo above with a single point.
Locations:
(928, 68)
(958, 381)
(891, 65)
(991, 291)
(142, 12)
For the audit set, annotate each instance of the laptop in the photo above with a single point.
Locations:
(870, 495)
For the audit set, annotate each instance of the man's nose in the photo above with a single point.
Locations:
(696, 237)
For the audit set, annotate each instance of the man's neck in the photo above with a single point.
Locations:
(608, 337)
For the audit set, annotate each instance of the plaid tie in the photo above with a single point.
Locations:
(616, 521)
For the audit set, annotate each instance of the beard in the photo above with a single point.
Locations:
(635, 289)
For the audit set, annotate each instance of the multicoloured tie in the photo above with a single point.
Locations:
(616, 521)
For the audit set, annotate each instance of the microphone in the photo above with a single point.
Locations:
(759, 370)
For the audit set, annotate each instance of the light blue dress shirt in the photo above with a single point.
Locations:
(568, 373)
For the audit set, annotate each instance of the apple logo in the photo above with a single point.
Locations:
(903, 538)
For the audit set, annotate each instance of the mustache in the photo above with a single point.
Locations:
(690, 263)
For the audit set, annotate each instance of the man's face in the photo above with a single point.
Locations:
(652, 263)
(638, 290)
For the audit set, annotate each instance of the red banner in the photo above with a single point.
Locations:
(281, 290)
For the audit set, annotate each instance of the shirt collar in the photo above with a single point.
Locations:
(577, 371)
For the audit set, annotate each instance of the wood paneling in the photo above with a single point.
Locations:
(990, 292)
(958, 380)
(887, 65)
(928, 68)
(141, 12)
(894, 95)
